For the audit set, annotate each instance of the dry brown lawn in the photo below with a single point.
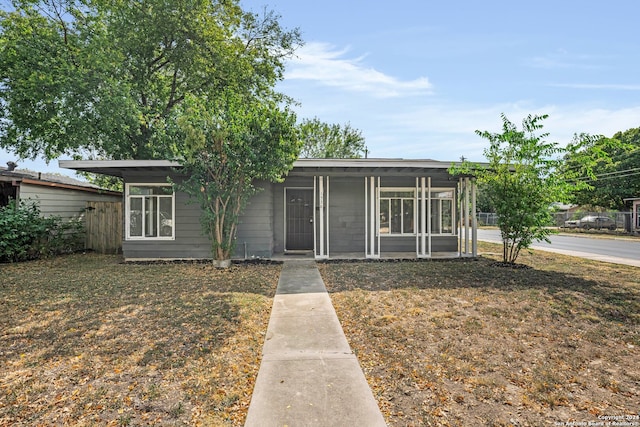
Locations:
(86, 340)
(464, 342)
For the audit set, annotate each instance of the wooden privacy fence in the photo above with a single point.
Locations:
(104, 227)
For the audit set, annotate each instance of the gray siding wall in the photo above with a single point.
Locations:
(346, 215)
(255, 228)
(63, 202)
(189, 243)
(408, 244)
(262, 224)
(438, 180)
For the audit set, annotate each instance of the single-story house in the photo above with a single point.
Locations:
(328, 208)
(55, 194)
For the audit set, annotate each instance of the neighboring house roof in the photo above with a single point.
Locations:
(300, 166)
(563, 206)
(50, 180)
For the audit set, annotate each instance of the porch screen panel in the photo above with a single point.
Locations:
(442, 212)
(397, 212)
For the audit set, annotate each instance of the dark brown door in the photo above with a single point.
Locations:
(299, 219)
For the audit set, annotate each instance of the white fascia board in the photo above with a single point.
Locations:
(85, 164)
(359, 163)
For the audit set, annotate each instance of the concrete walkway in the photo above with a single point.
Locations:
(308, 376)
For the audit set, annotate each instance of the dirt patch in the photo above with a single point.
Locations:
(472, 343)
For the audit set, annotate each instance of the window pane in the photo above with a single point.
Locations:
(149, 190)
(384, 216)
(135, 217)
(396, 216)
(442, 194)
(407, 214)
(447, 216)
(166, 217)
(397, 194)
(151, 217)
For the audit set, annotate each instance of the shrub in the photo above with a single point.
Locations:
(27, 235)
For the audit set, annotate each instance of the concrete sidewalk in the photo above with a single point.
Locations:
(308, 376)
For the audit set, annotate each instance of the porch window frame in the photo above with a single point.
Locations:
(437, 201)
(129, 197)
(414, 210)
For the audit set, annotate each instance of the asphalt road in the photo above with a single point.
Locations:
(619, 251)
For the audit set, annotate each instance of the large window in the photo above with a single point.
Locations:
(397, 212)
(442, 212)
(401, 211)
(150, 211)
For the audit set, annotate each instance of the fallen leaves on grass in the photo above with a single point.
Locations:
(87, 340)
(467, 342)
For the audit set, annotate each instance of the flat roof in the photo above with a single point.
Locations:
(120, 167)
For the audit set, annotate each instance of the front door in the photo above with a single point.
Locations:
(299, 219)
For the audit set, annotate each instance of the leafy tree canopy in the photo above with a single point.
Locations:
(614, 172)
(104, 78)
(232, 141)
(521, 182)
(330, 141)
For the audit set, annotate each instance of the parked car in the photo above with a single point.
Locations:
(591, 221)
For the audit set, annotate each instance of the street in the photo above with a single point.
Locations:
(619, 251)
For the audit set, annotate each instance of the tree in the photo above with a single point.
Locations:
(521, 182)
(105, 78)
(232, 141)
(324, 141)
(614, 165)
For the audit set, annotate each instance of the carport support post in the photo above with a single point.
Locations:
(423, 193)
(321, 251)
(428, 211)
(474, 228)
(372, 214)
(466, 216)
(463, 238)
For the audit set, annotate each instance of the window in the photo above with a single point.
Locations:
(397, 212)
(400, 207)
(149, 211)
(442, 212)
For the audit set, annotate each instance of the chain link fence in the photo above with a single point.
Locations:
(622, 219)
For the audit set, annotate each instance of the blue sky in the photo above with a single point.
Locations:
(419, 77)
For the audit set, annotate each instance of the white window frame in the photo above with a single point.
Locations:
(129, 196)
(437, 200)
(414, 214)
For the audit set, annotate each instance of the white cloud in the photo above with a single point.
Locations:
(596, 86)
(445, 132)
(326, 65)
(561, 59)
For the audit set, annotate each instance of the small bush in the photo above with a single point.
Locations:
(26, 235)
